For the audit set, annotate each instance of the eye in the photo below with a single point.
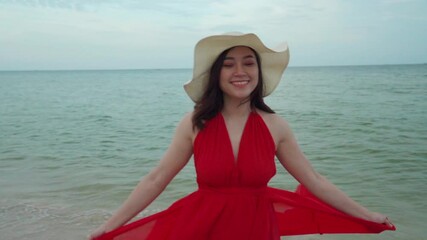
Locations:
(249, 63)
(227, 64)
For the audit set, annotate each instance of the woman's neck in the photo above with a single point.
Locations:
(236, 108)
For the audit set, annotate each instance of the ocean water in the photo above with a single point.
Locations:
(73, 144)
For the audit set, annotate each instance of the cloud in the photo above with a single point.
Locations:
(162, 33)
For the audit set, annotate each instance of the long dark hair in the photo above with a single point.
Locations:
(212, 100)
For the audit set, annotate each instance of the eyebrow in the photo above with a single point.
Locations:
(245, 57)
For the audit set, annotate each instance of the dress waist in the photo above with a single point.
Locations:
(233, 190)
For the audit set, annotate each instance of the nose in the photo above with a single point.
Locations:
(239, 70)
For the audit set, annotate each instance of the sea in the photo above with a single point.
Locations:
(73, 144)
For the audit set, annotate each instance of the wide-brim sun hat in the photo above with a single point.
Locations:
(273, 61)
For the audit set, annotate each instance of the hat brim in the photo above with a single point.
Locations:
(273, 61)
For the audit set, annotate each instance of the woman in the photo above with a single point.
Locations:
(234, 137)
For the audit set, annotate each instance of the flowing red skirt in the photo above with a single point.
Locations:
(205, 214)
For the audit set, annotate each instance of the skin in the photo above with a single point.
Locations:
(238, 78)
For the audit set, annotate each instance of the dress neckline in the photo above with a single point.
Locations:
(230, 144)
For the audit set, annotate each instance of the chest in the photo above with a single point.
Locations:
(235, 131)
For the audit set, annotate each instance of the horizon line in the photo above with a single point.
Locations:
(189, 68)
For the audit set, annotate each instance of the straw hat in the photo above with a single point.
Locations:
(273, 61)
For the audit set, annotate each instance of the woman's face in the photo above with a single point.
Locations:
(239, 73)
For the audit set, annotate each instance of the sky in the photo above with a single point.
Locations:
(134, 34)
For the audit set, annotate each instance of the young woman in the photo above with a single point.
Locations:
(235, 137)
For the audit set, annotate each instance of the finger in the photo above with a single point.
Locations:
(388, 222)
(91, 236)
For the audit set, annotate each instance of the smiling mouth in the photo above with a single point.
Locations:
(240, 83)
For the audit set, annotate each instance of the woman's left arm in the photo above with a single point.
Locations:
(293, 159)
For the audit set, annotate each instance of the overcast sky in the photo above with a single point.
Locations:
(132, 34)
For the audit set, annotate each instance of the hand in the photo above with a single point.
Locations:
(380, 218)
(96, 233)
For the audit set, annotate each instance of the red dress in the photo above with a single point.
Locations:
(233, 201)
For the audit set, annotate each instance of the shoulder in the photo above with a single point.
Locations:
(273, 120)
(187, 118)
(278, 125)
(185, 126)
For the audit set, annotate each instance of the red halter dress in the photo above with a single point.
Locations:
(233, 201)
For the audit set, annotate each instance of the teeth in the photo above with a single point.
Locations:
(240, 82)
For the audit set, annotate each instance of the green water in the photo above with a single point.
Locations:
(74, 143)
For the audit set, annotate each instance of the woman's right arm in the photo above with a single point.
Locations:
(151, 185)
